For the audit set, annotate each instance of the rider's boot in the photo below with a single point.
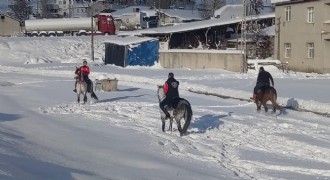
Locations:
(167, 114)
(75, 90)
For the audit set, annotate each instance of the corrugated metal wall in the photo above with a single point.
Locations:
(143, 54)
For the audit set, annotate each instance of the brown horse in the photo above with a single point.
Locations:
(265, 94)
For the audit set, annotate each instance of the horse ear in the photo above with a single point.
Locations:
(160, 86)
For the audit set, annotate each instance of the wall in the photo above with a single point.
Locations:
(299, 37)
(230, 60)
(8, 26)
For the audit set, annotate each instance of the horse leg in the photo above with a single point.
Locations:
(179, 127)
(258, 105)
(265, 106)
(78, 98)
(170, 126)
(163, 123)
(85, 98)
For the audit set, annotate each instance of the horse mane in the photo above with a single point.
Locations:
(160, 92)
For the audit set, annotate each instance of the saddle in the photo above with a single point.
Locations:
(263, 88)
(173, 104)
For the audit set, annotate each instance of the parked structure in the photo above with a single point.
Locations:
(130, 51)
(303, 35)
(9, 26)
(149, 19)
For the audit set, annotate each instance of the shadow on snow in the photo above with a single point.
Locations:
(9, 117)
(206, 122)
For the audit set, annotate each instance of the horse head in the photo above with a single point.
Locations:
(160, 92)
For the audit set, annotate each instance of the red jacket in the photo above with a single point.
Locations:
(84, 70)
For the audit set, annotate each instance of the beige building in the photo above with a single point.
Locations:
(302, 37)
(9, 26)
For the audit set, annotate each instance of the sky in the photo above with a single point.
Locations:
(45, 134)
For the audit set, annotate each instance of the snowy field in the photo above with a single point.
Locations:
(45, 134)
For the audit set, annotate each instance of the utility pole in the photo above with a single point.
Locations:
(92, 29)
(243, 38)
(278, 37)
(159, 13)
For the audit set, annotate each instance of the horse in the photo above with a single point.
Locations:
(265, 94)
(82, 89)
(182, 113)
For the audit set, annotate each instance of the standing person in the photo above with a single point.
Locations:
(171, 90)
(264, 79)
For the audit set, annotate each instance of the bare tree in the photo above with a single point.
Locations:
(208, 7)
(255, 7)
(21, 9)
(44, 13)
(163, 4)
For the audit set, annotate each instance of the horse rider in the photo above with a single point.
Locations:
(172, 94)
(264, 79)
(82, 73)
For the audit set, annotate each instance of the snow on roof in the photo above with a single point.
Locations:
(183, 14)
(269, 31)
(150, 12)
(200, 25)
(127, 40)
(278, 1)
(129, 9)
(229, 12)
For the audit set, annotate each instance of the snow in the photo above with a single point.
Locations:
(45, 134)
(198, 25)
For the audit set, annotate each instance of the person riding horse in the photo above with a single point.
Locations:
(172, 94)
(263, 80)
(82, 73)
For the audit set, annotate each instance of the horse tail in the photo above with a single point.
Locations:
(275, 93)
(187, 114)
(275, 98)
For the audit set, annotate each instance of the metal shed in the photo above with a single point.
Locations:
(131, 51)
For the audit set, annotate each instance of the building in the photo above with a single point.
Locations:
(65, 7)
(9, 26)
(302, 38)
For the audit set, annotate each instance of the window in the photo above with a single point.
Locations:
(288, 13)
(64, 1)
(310, 15)
(287, 50)
(60, 2)
(310, 50)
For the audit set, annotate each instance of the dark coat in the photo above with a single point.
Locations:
(264, 78)
(173, 88)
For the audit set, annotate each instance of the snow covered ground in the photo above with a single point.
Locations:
(45, 134)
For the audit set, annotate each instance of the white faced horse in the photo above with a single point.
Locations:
(81, 87)
(182, 113)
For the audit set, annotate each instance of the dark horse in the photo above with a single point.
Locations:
(182, 113)
(265, 94)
